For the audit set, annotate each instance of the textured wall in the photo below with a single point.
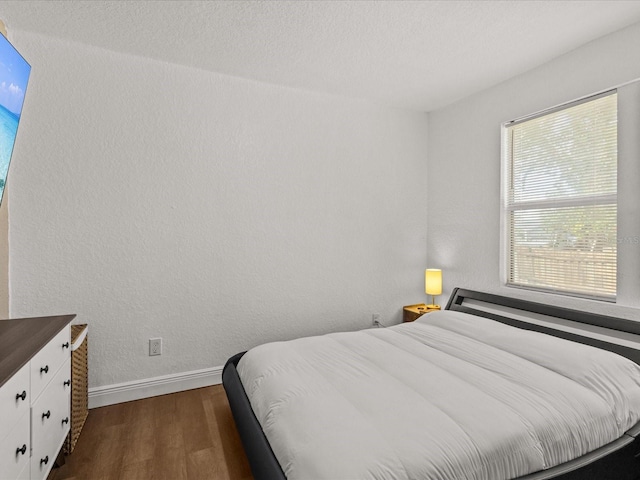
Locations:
(217, 213)
(464, 168)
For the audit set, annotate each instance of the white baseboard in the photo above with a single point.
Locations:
(151, 387)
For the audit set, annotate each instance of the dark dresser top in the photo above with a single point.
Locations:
(22, 338)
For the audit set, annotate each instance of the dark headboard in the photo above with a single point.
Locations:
(506, 310)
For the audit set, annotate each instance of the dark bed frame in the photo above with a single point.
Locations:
(619, 460)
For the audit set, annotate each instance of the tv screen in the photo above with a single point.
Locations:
(14, 75)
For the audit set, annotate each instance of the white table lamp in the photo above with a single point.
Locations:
(433, 284)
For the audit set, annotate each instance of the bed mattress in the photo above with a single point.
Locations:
(449, 396)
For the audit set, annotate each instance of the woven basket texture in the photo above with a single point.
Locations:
(79, 388)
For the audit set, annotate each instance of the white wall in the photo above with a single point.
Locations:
(214, 212)
(464, 168)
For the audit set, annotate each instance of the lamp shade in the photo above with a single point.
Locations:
(433, 281)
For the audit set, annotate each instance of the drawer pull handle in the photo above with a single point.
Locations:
(46, 415)
(65, 420)
(22, 450)
(21, 396)
(67, 383)
(65, 345)
(44, 369)
(44, 460)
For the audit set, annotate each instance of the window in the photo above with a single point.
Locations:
(560, 199)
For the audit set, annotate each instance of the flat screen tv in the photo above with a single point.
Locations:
(14, 75)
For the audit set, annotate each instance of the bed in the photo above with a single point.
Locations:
(492, 387)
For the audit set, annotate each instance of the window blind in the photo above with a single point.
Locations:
(561, 199)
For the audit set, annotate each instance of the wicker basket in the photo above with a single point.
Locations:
(79, 385)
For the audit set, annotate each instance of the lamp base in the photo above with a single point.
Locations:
(432, 307)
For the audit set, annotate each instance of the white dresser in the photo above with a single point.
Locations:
(35, 388)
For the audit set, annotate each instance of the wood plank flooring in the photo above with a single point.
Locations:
(187, 435)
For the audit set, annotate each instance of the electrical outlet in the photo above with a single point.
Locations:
(375, 320)
(155, 346)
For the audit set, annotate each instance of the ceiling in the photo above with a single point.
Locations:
(418, 55)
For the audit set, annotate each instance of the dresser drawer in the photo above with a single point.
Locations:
(13, 403)
(45, 364)
(50, 422)
(14, 450)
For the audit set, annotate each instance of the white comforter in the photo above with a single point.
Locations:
(450, 396)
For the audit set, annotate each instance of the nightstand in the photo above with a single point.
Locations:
(411, 312)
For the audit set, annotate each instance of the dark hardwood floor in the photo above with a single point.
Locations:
(186, 435)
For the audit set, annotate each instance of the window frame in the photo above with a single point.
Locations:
(508, 207)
